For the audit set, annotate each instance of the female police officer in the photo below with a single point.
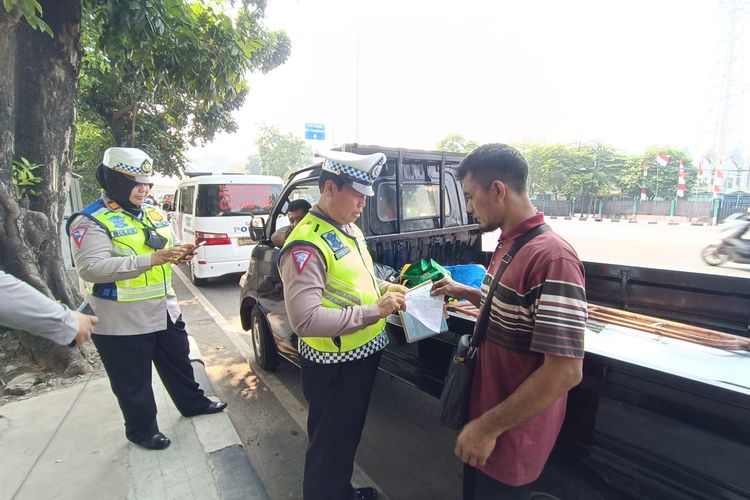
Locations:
(123, 251)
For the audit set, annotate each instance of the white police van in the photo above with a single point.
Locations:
(219, 210)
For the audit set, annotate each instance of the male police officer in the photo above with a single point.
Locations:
(337, 307)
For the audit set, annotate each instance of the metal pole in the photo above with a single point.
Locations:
(356, 93)
(656, 195)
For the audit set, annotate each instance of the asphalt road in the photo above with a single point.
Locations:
(640, 244)
(404, 451)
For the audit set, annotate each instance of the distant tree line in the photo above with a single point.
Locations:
(595, 170)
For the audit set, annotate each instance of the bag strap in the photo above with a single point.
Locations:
(480, 330)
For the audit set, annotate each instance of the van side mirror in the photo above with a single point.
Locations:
(258, 228)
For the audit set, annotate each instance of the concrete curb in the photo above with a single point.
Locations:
(630, 221)
(234, 474)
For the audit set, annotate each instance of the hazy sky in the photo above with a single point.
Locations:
(631, 74)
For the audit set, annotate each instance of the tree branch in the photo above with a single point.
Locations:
(10, 20)
(118, 114)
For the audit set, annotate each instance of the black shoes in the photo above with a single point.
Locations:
(156, 441)
(213, 407)
(365, 493)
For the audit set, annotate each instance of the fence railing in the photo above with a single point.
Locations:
(630, 208)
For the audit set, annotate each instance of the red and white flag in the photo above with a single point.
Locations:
(662, 159)
(644, 196)
(718, 179)
(681, 180)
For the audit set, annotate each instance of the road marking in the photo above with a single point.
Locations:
(288, 401)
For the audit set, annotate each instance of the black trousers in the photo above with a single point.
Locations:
(127, 360)
(479, 486)
(338, 396)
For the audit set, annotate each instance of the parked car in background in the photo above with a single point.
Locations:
(220, 210)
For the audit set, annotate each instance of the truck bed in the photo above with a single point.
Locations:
(716, 302)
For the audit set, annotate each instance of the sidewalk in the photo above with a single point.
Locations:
(70, 444)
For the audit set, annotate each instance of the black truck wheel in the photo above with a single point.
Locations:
(263, 345)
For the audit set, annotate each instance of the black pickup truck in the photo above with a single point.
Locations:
(654, 417)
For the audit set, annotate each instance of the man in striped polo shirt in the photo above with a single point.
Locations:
(533, 353)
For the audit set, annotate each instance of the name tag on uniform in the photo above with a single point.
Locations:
(124, 232)
(333, 241)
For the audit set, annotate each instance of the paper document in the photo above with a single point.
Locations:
(425, 308)
(424, 313)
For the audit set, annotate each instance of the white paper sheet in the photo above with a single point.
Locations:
(427, 309)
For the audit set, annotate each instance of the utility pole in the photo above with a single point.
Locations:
(725, 127)
(356, 91)
(656, 194)
(596, 177)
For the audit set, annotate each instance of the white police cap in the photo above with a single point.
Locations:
(358, 170)
(130, 161)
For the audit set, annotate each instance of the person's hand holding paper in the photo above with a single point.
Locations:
(424, 313)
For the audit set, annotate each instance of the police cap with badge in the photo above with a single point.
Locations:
(132, 162)
(359, 171)
(121, 170)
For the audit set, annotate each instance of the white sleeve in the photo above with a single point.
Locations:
(23, 307)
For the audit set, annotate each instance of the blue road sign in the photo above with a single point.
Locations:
(315, 131)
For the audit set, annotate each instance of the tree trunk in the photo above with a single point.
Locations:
(37, 121)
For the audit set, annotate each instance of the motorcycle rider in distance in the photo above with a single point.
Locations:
(734, 243)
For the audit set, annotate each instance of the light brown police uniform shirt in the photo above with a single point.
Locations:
(302, 296)
(96, 262)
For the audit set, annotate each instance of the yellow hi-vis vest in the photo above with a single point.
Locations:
(350, 281)
(129, 236)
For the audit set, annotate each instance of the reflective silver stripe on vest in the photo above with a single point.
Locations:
(126, 252)
(327, 358)
(336, 300)
(143, 292)
(341, 287)
(341, 298)
(351, 298)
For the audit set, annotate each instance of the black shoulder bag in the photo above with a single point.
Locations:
(454, 400)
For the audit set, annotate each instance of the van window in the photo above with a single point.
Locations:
(235, 199)
(186, 200)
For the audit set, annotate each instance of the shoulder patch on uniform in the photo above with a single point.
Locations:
(301, 256)
(155, 216)
(78, 234)
(113, 205)
(332, 240)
